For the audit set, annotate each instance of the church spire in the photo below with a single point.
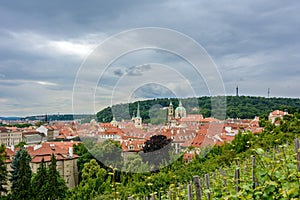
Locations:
(138, 120)
(138, 111)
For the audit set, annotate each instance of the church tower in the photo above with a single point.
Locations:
(170, 112)
(138, 120)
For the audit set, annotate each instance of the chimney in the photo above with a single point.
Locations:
(71, 152)
(36, 147)
(12, 147)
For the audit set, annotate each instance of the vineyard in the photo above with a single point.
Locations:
(265, 175)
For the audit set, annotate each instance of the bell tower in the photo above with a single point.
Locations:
(170, 112)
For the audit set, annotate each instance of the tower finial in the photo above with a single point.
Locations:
(180, 103)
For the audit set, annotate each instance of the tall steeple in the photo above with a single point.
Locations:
(138, 111)
(138, 120)
(237, 90)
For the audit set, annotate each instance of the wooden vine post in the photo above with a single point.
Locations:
(297, 153)
(237, 179)
(254, 181)
(207, 181)
(190, 192)
(197, 188)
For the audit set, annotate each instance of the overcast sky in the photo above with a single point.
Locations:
(255, 44)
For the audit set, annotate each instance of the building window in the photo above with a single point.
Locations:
(131, 147)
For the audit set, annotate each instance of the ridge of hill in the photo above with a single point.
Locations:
(244, 107)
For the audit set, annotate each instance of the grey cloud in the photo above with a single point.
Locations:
(137, 70)
(256, 41)
(118, 72)
(153, 91)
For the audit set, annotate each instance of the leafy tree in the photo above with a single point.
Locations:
(56, 187)
(134, 163)
(3, 170)
(84, 157)
(21, 175)
(93, 182)
(20, 144)
(156, 150)
(39, 182)
(108, 152)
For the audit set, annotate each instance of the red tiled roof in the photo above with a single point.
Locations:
(63, 145)
(3, 129)
(198, 140)
(210, 119)
(277, 113)
(191, 118)
(60, 150)
(136, 144)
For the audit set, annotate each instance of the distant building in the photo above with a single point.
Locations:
(10, 137)
(109, 131)
(276, 114)
(32, 137)
(47, 130)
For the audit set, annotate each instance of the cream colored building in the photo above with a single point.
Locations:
(10, 137)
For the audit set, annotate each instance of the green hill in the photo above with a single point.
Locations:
(245, 107)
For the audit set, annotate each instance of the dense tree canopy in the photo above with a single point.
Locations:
(244, 107)
(21, 175)
(55, 187)
(39, 182)
(108, 152)
(3, 170)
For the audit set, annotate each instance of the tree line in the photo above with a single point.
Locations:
(243, 107)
